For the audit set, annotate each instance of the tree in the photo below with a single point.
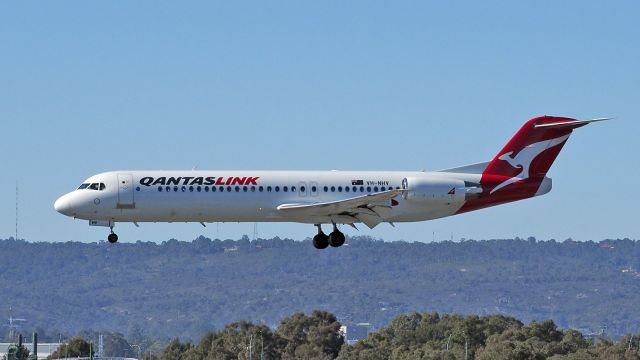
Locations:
(75, 347)
(238, 340)
(117, 346)
(16, 353)
(176, 350)
(313, 337)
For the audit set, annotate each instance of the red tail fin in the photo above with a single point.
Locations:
(530, 152)
(518, 170)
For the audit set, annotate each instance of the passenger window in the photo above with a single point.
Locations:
(191, 188)
(293, 189)
(277, 189)
(268, 188)
(303, 189)
(137, 188)
(325, 189)
(339, 188)
(361, 188)
(206, 189)
(222, 188)
(184, 188)
(253, 189)
(383, 188)
(244, 188)
(346, 188)
(375, 189)
(368, 188)
(168, 188)
(260, 188)
(175, 189)
(333, 189)
(228, 188)
(199, 188)
(354, 189)
(313, 189)
(160, 188)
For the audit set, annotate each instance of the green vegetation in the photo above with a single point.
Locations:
(409, 337)
(412, 336)
(300, 336)
(75, 347)
(184, 289)
(15, 352)
(431, 336)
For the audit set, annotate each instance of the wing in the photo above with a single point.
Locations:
(369, 209)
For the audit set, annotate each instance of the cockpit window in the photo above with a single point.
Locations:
(93, 186)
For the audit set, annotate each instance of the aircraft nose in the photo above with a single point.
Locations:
(63, 205)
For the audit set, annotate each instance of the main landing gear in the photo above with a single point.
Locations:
(113, 237)
(335, 239)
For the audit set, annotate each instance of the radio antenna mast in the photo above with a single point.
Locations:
(16, 210)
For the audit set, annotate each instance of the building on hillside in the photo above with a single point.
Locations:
(354, 333)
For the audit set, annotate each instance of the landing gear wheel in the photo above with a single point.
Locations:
(336, 238)
(113, 238)
(321, 241)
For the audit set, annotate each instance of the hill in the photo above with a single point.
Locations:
(188, 288)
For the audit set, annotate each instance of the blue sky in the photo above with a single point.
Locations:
(88, 87)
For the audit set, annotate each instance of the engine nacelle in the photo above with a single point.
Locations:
(439, 190)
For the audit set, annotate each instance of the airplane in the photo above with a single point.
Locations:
(517, 172)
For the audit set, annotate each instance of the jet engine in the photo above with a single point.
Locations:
(439, 190)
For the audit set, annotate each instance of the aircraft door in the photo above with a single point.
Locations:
(125, 192)
(302, 189)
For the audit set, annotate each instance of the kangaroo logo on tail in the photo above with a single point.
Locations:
(524, 158)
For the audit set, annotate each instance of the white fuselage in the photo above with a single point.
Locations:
(255, 196)
(518, 171)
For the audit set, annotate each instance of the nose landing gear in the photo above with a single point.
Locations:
(322, 241)
(113, 237)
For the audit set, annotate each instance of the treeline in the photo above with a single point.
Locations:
(177, 288)
(412, 336)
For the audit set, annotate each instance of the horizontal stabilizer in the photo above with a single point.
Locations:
(569, 124)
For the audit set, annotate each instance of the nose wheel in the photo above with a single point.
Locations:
(113, 237)
(322, 241)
